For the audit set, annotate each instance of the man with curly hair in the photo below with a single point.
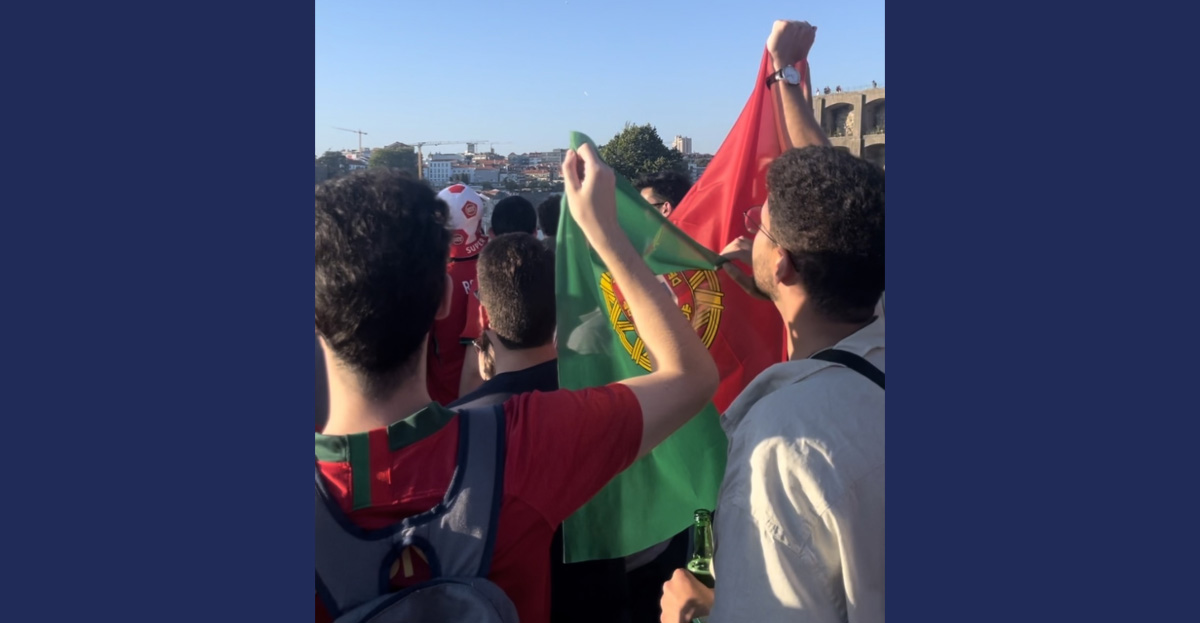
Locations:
(800, 517)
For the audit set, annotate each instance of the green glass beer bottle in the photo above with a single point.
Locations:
(701, 563)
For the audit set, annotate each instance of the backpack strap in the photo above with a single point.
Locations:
(852, 361)
(463, 536)
(348, 559)
(457, 536)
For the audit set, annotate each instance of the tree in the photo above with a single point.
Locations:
(403, 158)
(488, 186)
(510, 184)
(638, 150)
(336, 165)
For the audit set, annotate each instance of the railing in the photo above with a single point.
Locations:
(833, 91)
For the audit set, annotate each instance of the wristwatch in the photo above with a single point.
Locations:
(788, 75)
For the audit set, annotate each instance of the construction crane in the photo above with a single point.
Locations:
(471, 146)
(360, 134)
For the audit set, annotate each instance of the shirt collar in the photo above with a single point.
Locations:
(860, 343)
(423, 423)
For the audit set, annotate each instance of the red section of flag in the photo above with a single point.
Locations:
(751, 333)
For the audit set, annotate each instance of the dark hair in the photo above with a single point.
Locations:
(382, 244)
(514, 214)
(516, 284)
(827, 212)
(547, 213)
(670, 185)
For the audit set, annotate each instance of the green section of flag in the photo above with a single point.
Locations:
(655, 498)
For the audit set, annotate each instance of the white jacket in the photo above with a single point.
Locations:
(800, 519)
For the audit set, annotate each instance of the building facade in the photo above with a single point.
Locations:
(463, 173)
(438, 171)
(489, 175)
(854, 121)
(682, 144)
(554, 157)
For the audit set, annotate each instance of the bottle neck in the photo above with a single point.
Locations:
(704, 540)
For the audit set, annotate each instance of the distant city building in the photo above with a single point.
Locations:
(682, 144)
(854, 121)
(354, 154)
(483, 175)
(463, 173)
(438, 171)
(554, 157)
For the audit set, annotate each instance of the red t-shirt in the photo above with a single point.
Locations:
(562, 448)
(444, 360)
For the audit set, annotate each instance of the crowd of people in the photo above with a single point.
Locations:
(445, 449)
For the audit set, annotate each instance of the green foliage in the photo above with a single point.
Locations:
(638, 150)
(404, 159)
(336, 165)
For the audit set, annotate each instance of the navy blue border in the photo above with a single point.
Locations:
(1040, 298)
(157, 259)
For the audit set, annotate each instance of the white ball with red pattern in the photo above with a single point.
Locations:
(467, 235)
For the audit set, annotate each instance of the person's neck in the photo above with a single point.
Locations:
(810, 332)
(505, 360)
(351, 412)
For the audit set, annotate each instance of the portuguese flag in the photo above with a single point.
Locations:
(597, 343)
(751, 335)
(654, 499)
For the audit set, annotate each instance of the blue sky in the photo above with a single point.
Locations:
(527, 73)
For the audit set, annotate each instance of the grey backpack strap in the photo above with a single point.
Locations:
(350, 561)
(457, 536)
(463, 536)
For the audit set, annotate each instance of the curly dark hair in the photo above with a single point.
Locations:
(514, 214)
(826, 209)
(547, 213)
(382, 244)
(516, 286)
(671, 185)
